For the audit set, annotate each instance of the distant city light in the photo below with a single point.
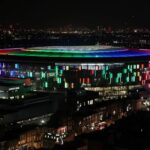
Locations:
(42, 121)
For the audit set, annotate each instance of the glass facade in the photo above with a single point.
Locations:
(78, 75)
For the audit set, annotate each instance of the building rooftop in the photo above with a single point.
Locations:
(65, 53)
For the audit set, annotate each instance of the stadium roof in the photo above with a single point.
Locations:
(80, 53)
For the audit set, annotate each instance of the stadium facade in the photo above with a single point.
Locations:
(109, 70)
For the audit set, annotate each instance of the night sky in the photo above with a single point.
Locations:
(93, 13)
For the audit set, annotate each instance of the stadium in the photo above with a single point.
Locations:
(112, 71)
